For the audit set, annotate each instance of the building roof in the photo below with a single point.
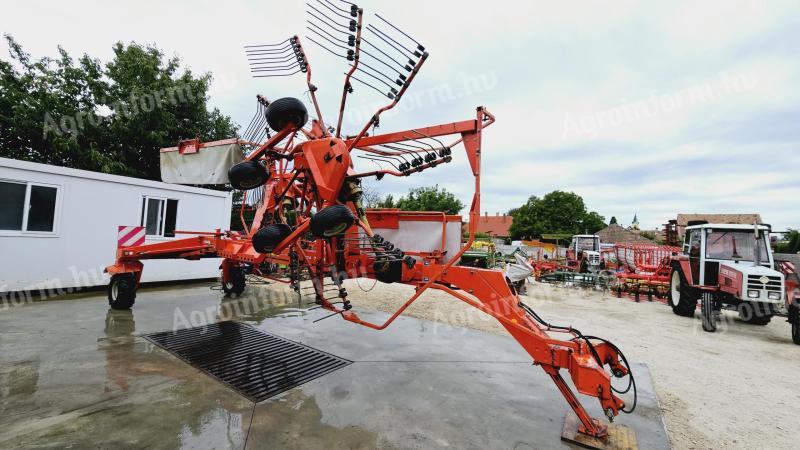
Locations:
(614, 233)
(684, 219)
(496, 225)
(118, 179)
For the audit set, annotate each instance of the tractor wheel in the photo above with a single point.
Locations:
(754, 313)
(332, 221)
(236, 282)
(707, 312)
(584, 266)
(794, 318)
(681, 297)
(248, 175)
(122, 291)
(267, 238)
(286, 111)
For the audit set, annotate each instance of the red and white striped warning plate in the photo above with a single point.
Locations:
(129, 236)
(788, 267)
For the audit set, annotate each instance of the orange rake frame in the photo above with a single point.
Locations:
(486, 290)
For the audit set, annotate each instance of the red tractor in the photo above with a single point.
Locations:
(727, 267)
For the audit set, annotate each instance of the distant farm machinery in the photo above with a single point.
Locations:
(643, 269)
(309, 217)
(584, 265)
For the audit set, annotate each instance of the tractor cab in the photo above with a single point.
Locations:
(728, 254)
(584, 252)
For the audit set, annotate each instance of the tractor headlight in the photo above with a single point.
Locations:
(774, 295)
(752, 294)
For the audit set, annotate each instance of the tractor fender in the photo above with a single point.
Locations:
(682, 265)
(793, 307)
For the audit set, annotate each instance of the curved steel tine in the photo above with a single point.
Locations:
(376, 70)
(253, 120)
(373, 76)
(274, 68)
(268, 52)
(400, 155)
(333, 9)
(326, 23)
(383, 36)
(277, 75)
(384, 53)
(276, 59)
(317, 27)
(430, 137)
(364, 82)
(326, 48)
(378, 59)
(323, 37)
(419, 46)
(404, 151)
(394, 157)
(325, 16)
(267, 45)
(376, 159)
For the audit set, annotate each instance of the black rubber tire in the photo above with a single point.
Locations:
(267, 238)
(707, 312)
(751, 314)
(584, 266)
(286, 111)
(248, 175)
(794, 319)
(122, 291)
(332, 221)
(687, 303)
(236, 283)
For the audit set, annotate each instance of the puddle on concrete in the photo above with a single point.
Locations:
(294, 421)
(123, 392)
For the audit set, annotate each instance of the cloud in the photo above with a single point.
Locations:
(654, 108)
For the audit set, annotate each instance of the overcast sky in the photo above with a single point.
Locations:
(653, 108)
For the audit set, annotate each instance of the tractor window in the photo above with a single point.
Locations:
(584, 244)
(737, 245)
(694, 243)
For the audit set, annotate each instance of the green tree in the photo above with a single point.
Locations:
(110, 118)
(593, 222)
(430, 198)
(613, 221)
(387, 202)
(790, 243)
(556, 212)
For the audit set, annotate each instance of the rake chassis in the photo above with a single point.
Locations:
(310, 218)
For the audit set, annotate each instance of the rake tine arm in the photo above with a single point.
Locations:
(311, 88)
(347, 88)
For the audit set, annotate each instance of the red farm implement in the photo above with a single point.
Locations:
(303, 184)
(643, 268)
(789, 270)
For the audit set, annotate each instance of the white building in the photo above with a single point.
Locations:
(58, 226)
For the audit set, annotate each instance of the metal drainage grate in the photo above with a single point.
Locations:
(255, 364)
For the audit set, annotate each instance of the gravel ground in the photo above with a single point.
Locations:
(735, 388)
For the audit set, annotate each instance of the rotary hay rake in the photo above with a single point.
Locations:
(302, 183)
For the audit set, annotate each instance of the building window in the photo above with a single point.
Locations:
(159, 216)
(28, 207)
